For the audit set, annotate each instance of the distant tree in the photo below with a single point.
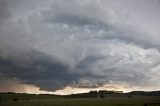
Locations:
(10, 92)
(130, 96)
(102, 93)
(93, 94)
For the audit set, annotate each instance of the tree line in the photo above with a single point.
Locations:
(93, 94)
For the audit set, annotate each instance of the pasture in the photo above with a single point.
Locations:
(53, 100)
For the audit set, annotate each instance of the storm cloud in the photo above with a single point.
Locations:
(80, 43)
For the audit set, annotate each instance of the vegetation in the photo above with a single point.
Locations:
(15, 99)
(93, 94)
(92, 98)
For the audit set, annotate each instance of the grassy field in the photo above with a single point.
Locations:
(48, 100)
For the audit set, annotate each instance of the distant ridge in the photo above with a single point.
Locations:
(145, 93)
(103, 93)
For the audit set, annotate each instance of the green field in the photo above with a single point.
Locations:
(49, 100)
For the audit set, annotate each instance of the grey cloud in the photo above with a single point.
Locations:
(4, 13)
(85, 44)
(75, 20)
(66, 13)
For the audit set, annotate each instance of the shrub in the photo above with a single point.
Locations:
(15, 99)
(102, 95)
(129, 96)
(145, 104)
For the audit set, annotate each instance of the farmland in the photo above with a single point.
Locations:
(55, 100)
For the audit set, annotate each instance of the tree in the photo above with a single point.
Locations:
(15, 99)
(129, 96)
(102, 93)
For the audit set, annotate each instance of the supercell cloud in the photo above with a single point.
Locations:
(53, 44)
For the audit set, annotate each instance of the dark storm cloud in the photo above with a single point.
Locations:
(78, 43)
(40, 71)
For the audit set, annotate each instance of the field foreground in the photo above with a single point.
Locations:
(52, 100)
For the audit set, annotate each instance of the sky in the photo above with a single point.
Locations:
(74, 46)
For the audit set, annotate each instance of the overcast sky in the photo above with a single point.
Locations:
(78, 45)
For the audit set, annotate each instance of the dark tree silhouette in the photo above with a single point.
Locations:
(15, 99)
